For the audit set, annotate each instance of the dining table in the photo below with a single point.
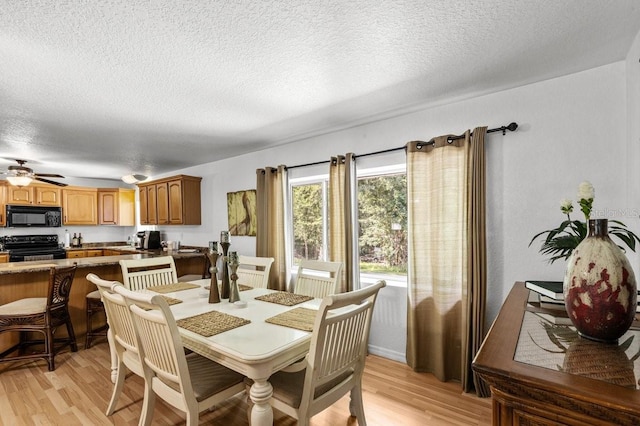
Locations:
(251, 346)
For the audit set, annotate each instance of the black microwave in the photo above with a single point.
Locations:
(34, 217)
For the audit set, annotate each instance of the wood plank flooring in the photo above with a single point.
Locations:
(78, 391)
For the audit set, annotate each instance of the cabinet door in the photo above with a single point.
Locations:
(175, 202)
(74, 254)
(20, 195)
(152, 205)
(93, 253)
(80, 207)
(4, 258)
(48, 196)
(144, 204)
(3, 203)
(107, 207)
(162, 192)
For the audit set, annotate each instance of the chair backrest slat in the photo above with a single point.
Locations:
(254, 271)
(138, 274)
(318, 279)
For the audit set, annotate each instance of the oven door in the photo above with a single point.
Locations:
(24, 255)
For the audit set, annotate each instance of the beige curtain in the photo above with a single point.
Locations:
(444, 299)
(476, 263)
(271, 209)
(343, 238)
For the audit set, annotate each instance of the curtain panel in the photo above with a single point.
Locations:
(272, 209)
(343, 220)
(447, 255)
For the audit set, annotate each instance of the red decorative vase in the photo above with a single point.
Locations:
(600, 286)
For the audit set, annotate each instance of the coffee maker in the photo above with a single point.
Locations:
(149, 240)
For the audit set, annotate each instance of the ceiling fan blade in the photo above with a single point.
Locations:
(49, 181)
(47, 175)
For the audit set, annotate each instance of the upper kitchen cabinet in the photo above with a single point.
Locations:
(79, 206)
(34, 195)
(3, 203)
(116, 206)
(171, 201)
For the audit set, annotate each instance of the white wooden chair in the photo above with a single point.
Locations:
(190, 383)
(318, 279)
(138, 274)
(121, 335)
(254, 271)
(335, 362)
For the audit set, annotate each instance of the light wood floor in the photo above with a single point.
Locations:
(78, 391)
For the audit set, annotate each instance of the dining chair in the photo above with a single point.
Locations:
(190, 383)
(335, 362)
(43, 315)
(318, 279)
(94, 308)
(206, 273)
(138, 274)
(254, 271)
(122, 338)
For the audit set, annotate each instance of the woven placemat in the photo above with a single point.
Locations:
(211, 323)
(170, 288)
(284, 298)
(171, 300)
(299, 318)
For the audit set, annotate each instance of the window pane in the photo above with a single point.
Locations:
(382, 217)
(308, 227)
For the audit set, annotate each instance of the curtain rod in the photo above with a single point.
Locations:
(510, 127)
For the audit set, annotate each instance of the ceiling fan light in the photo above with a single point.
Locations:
(135, 178)
(19, 180)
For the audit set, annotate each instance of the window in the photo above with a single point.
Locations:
(382, 217)
(309, 220)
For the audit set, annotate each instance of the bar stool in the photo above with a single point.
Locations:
(43, 315)
(94, 307)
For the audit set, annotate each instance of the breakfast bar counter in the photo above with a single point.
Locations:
(30, 279)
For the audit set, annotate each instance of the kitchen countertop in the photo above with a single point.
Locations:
(84, 262)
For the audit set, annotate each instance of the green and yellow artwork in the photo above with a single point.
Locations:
(241, 208)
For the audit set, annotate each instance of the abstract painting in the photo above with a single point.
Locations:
(241, 208)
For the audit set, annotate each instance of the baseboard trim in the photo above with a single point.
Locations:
(389, 354)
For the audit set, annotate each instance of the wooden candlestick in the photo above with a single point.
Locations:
(234, 293)
(214, 293)
(224, 291)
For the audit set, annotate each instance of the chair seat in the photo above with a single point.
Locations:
(208, 377)
(187, 278)
(94, 295)
(288, 387)
(27, 306)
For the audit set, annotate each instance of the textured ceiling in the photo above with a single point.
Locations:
(105, 88)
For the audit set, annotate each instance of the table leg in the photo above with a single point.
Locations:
(260, 393)
(114, 356)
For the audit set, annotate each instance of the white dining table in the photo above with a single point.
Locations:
(256, 350)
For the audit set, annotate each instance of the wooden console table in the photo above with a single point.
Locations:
(542, 373)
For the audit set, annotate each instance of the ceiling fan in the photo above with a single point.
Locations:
(21, 175)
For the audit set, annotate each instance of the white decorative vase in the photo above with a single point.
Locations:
(600, 286)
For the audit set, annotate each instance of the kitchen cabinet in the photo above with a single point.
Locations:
(171, 201)
(74, 254)
(80, 206)
(36, 195)
(116, 206)
(3, 203)
(4, 258)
